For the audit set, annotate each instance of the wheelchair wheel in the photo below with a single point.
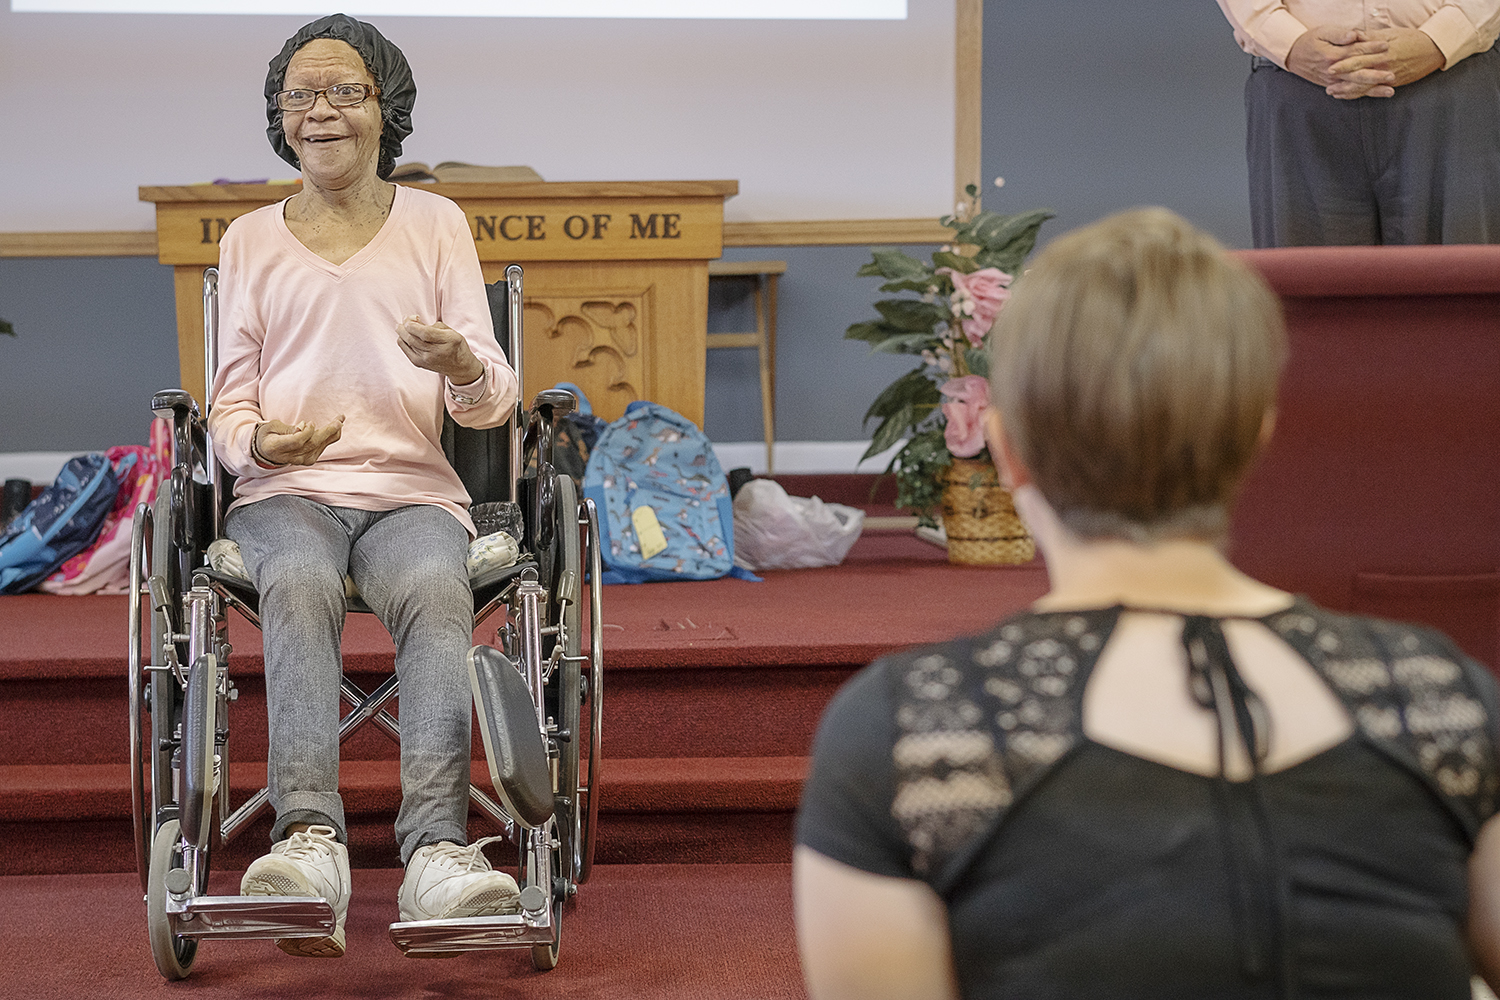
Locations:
(564, 698)
(138, 655)
(544, 956)
(569, 684)
(173, 953)
(154, 694)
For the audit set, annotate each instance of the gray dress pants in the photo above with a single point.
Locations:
(1420, 167)
(409, 566)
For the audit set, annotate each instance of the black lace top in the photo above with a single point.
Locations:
(1071, 869)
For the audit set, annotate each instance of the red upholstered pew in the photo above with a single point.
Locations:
(1380, 492)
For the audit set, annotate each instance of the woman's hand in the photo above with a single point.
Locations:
(283, 444)
(438, 348)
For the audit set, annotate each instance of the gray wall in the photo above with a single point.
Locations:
(1090, 107)
(94, 338)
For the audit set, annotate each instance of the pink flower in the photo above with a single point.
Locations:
(977, 299)
(965, 399)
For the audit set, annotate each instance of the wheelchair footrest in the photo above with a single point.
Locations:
(433, 938)
(251, 916)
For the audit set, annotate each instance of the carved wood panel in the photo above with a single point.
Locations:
(595, 340)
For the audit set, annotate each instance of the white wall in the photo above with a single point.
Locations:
(816, 119)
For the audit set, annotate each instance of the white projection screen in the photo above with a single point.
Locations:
(846, 115)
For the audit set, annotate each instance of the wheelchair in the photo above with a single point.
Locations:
(530, 692)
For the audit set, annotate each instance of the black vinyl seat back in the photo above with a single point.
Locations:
(482, 457)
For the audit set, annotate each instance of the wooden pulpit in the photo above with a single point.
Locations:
(616, 276)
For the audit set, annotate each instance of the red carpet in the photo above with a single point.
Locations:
(653, 932)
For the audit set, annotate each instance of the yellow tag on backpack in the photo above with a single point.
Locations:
(648, 531)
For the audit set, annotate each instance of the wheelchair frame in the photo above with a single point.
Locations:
(180, 792)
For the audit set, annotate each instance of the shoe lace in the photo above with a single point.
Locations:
(462, 859)
(308, 846)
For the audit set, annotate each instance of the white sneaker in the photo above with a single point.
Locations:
(445, 881)
(310, 863)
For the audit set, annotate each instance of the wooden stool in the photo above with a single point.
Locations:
(763, 339)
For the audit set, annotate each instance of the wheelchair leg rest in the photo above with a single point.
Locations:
(535, 925)
(512, 739)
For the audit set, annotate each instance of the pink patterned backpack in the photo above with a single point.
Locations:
(104, 567)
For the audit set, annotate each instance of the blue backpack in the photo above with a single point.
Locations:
(664, 506)
(60, 523)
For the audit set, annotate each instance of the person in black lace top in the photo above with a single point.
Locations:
(1167, 779)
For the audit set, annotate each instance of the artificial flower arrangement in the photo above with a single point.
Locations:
(945, 321)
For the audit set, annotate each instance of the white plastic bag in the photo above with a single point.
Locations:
(775, 531)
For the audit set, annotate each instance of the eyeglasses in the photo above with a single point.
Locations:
(340, 95)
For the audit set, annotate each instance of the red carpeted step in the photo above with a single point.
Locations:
(697, 711)
(703, 784)
(650, 809)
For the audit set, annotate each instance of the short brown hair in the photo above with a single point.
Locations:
(1133, 368)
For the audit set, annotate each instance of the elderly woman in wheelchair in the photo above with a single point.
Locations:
(353, 316)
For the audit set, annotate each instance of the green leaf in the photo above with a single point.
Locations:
(891, 430)
(960, 263)
(919, 467)
(1012, 262)
(913, 389)
(912, 315)
(978, 360)
(6, 328)
(895, 265)
(907, 343)
(872, 332)
(918, 285)
(997, 233)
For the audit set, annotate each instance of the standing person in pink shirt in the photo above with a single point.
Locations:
(353, 315)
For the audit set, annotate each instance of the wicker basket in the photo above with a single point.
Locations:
(980, 520)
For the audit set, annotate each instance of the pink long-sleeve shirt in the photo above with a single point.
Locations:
(1460, 28)
(301, 338)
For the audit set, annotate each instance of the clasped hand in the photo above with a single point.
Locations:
(1348, 63)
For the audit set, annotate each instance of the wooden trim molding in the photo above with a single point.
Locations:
(116, 244)
(834, 233)
(968, 91)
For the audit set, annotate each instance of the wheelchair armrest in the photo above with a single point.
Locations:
(553, 403)
(171, 404)
(547, 408)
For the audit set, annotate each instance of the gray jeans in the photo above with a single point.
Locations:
(409, 566)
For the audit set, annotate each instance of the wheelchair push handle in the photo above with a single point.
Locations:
(515, 315)
(174, 404)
